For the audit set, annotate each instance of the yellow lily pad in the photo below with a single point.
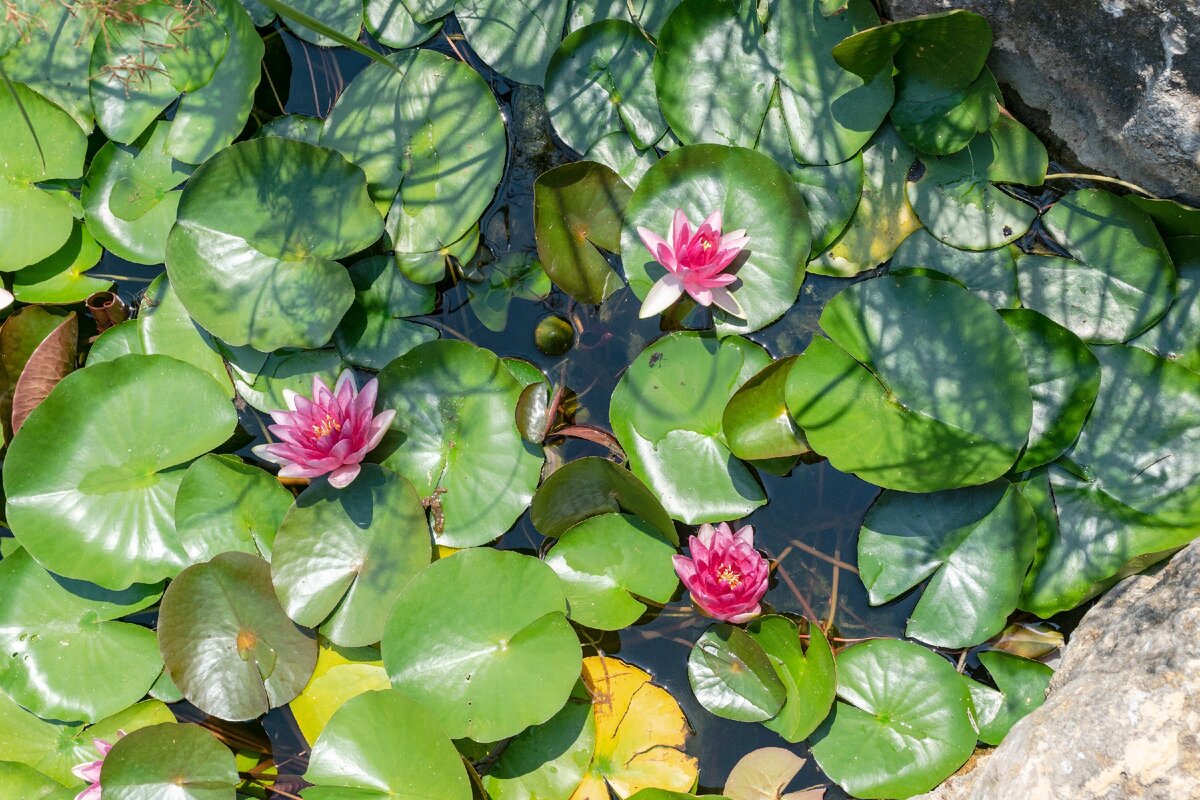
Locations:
(341, 673)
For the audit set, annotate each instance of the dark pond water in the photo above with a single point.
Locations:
(811, 522)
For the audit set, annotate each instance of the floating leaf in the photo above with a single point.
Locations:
(577, 212)
(648, 15)
(922, 387)
(259, 227)
(25, 783)
(62, 654)
(374, 332)
(119, 340)
(590, 487)
(288, 370)
(382, 745)
(225, 505)
(196, 44)
(756, 422)
(515, 39)
(1064, 377)
(1023, 684)
(456, 410)
(640, 734)
(1176, 336)
(547, 760)
(606, 563)
(991, 274)
(227, 643)
(667, 413)
(60, 278)
(166, 329)
(429, 136)
(732, 676)
(429, 268)
(53, 58)
(130, 86)
(902, 724)
(182, 762)
(883, 218)
(153, 414)
(975, 545)
(764, 774)
(341, 673)
(707, 178)
(342, 555)
(48, 364)
(940, 122)
(1121, 280)
(344, 19)
(719, 67)
(1172, 218)
(294, 126)
(391, 23)
(617, 152)
(515, 276)
(482, 639)
(808, 675)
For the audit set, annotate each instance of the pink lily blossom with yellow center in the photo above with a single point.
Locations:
(328, 434)
(726, 576)
(695, 261)
(89, 771)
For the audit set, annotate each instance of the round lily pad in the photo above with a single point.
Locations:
(180, 762)
(59, 73)
(226, 505)
(166, 329)
(941, 121)
(902, 724)
(344, 19)
(130, 86)
(667, 413)
(718, 68)
(340, 674)
(617, 152)
(456, 412)
(374, 332)
(808, 674)
(61, 278)
(756, 422)
(130, 198)
(63, 654)
(258, 229)
(382, 745)
(705, 178)
(153, 415)
(1121, 280)
(391, 23)
(732, 676)
(482, 639)
(920, 387)
(991, 274)
(649, 15)
(226, 642)
(547, 760)
(600, 82)
(515, 39)
(608, 562)
(592, 486)
(342, 555)
(119, 340)
(429, 136)
(1175, 337)
(287, 370)
(975, 545)
(196, 44)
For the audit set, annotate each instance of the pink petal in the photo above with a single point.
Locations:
(685, 568)
(745, 535)
(681, 231)
(90, 793)
(745, 616)
(298, 471)
(89, 772)
(341, 477)
(654, 243)
(668, 259)
(734, 240)
(723, 299)
(714, 222)
(660, 297)
(701, 295)
(706, 533)
(289, 397)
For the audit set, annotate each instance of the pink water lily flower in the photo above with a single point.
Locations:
(726, 575)
(329, 434)
(696, 262)
(89, 771)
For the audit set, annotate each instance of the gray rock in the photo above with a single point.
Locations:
(1122, 716)
(1112, 86)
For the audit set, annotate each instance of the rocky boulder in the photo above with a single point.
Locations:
(1112, 86)
(1122, 716)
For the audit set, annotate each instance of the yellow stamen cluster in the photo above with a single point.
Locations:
(328, 426)
(727, 576)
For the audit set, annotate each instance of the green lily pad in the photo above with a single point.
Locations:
(832, 194)
(431, 141)
(1172, 218)
(63, 655)
(36, 222)
(577, 212)
(182, 762)
(166, 329)
(649, 15)
(196, 44)
(456, 412)
(61, 278)
(991, 274)
(547, 760)
(808, 675)
(756, 422)
(515, 276)
(732, 676)
(600, 82)
(1176, 336)
(344, 18)
(616, 151)
(1064, 377)
(391, 23)
(667, 413)
(515, 39)
(153, 414)
(483, 640)
(54, 748)
(940, 121)
(59, 72)
(719, 66)
(130, 86)
(374, 332)
(119, 340)
(705, 178)
(248, 257)
(1121, 280)
(130, 196)
(291, 369)
(211, 117)
(226, 505)
(227, 643)
(974, 544)
(592, 486)
(607, 563)
(957, 199)
(902, 724)
(25, 783)
(342, 555)
(382, 745)
(883, 217)
(1023, 684)
(295, 126)
(922, 387)
(340, 674)
(429, 268)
